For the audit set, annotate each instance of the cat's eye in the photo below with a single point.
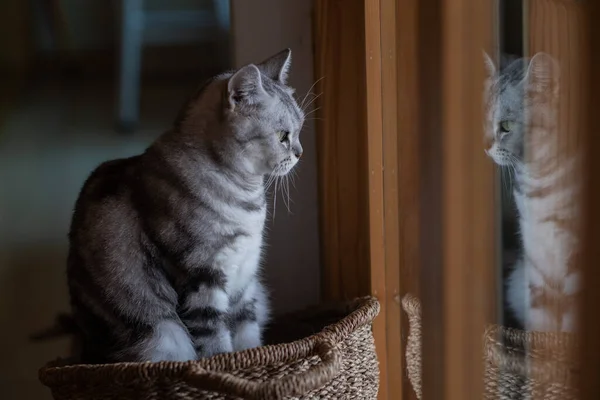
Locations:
(283, 135)
(506, 126)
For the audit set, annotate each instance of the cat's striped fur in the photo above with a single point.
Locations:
(542, 287)
(165, 247)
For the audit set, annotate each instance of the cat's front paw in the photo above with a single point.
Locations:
(247, 336)
(213, 345)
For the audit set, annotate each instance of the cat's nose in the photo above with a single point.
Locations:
(297, 151)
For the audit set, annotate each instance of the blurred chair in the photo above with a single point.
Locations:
(141, 27)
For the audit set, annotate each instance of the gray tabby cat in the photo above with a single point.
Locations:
(165, 247)
(522, 129)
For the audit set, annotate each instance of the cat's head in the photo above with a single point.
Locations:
(511, 96)
(250, 116)
(262, 118)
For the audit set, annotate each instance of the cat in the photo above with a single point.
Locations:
(165, 247)
(521, 125)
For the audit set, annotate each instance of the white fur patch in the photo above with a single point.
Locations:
(169, 342)
(247, 336)
(209, 297)
(217, 344)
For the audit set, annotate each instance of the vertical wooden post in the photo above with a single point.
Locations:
(457, 224)
(590, 348)
(403, 178)
(350, 147)
(342, 147)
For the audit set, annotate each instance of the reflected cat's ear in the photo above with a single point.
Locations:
(490, 67)
(543, 74)
(278, 66)
(245, 86)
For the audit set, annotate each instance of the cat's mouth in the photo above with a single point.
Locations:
(501, 158)
(284, 167)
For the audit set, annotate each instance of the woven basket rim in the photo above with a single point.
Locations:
(544, 356)
(364, 310)
(412, 306)
(540, 356)
(536, 338)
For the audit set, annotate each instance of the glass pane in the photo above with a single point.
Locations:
(534, 124)
(533, 117)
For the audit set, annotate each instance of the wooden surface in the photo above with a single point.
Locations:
(457, 227)
(361, 166)
(402, 178)
(391, 210)
(374, 135)
(342, 147)
(429, 127)
(468, 195)
(591, 298)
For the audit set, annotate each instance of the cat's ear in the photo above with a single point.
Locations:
(245, 86)
(490, 67)
(278, 66)
(543, 74)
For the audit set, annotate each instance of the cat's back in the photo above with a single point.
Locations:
(104, 206)
(109, 179)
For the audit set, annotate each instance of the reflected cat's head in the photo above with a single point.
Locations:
(512, 94)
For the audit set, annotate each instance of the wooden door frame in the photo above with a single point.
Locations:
(379, 142)
(350, 153)
(590, 349)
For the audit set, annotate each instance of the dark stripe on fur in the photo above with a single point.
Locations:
(202, 313)
(247, 313)
(209, 277)
(202, 331)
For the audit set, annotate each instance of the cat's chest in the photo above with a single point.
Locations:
(239, 259)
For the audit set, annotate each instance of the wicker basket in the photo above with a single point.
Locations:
(336, 360)
(518, 364)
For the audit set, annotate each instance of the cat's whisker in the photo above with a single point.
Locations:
(269, 181)
(282, 189)
(291, 199)
(284, 195)
(287, 192)
(315, 97)
(311, 112)
(507, 181)
(309, 90)
(293, 177)
(301, 105)
(272, 179)
(513, 173)
(275, 198)
(504, 179)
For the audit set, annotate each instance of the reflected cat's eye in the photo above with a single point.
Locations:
(506, 126)
(282, 135)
